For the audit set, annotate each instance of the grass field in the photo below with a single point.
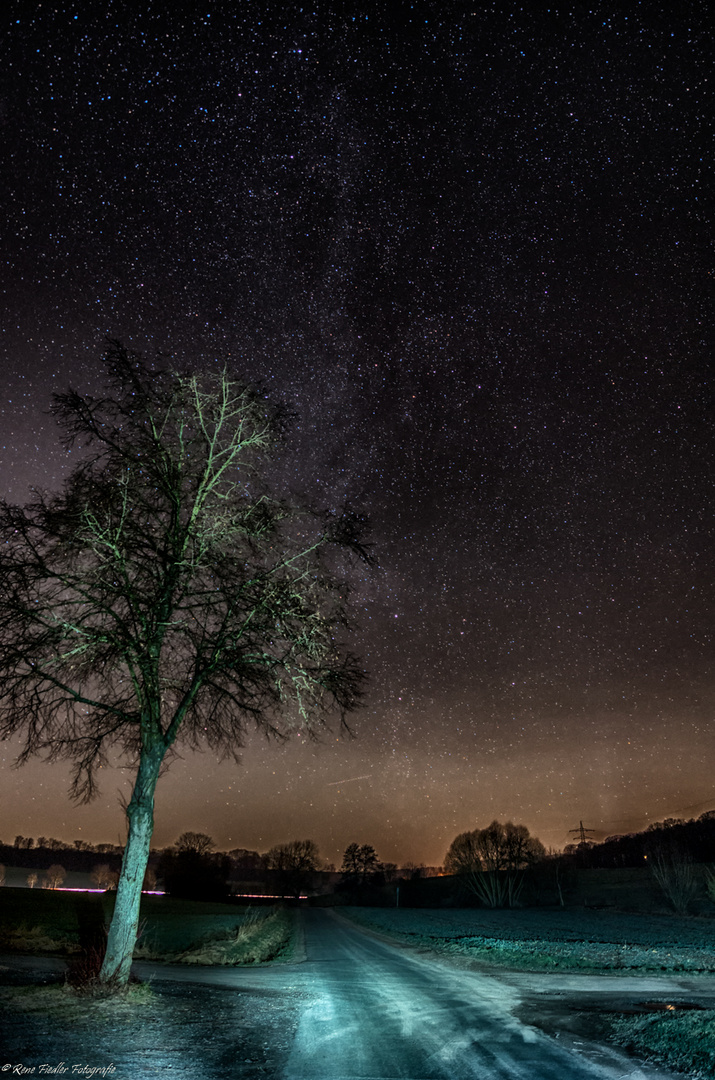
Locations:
(554, 939)
(183, 931)
(684, 1041)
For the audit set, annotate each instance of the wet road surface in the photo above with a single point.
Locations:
(381, 1012)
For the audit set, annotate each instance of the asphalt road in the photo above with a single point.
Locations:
(372, 1010)
(363, 1008)
(381, 1012)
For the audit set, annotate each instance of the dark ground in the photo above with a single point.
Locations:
(185, 1031)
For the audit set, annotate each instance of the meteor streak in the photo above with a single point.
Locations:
(352, 780)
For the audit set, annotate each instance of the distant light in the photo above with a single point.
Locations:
(265, 896)
(145, 892)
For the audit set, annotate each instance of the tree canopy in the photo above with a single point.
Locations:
(165, 598)
(194, 843)
(294, 864)
(360, 861)
(491, 861)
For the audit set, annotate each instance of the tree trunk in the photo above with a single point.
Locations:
(122, 935)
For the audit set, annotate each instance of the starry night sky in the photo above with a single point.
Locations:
(470, 247)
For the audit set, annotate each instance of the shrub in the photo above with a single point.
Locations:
(710, 882)
(673, 871)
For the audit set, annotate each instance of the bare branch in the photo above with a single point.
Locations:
(164, 597)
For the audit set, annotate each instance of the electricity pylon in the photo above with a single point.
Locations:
(582, 838)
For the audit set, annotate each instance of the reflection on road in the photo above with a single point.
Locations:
(379, 1012)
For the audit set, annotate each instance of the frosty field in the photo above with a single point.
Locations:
(554, 939)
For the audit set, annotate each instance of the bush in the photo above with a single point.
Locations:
(673, 871)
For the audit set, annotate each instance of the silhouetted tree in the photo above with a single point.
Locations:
(245, 861)
(164, 598)
(491, 861)
(360, 862)
(294, 865)
(194, 871)
(195, 842)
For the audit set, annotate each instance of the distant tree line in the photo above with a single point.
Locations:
(40, 854)
(49, 843)
(694, 839)
(192, 867)
(491, 863)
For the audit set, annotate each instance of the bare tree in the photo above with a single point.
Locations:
(165, 599)
(54, 876)
(2, 874)
(675, 875)
(31, 880)
(492, 861)
(195, 842)
(104, 877)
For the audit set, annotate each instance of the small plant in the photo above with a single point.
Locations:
(673, 871)
(83, 971)
(250, 921)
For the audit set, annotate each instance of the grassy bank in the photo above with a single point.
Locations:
(180, 931)
(680, 1040)
(261, 935)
